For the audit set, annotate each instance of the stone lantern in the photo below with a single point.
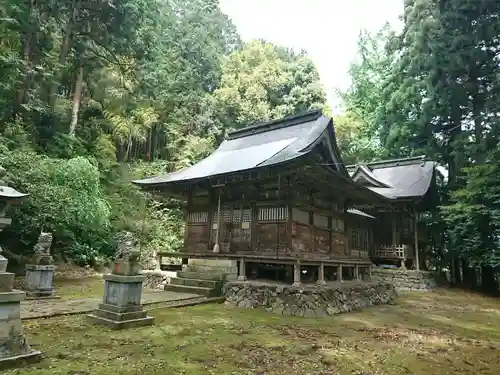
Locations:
(121, 306)
(14, 347)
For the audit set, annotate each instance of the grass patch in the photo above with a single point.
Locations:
(74, 288)
(91, 286)
(445, 332)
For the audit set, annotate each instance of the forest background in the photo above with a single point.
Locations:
(96, 93)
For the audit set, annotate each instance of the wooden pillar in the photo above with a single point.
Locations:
(370, 273)
(242, 276)
(253, 227)
(321, 274)
(339, 273)
(371, 242)
(158, 262)
(289, 222)
(296, 274)
(356, 272)
(394, 234)
(417, 260)
(210, 219)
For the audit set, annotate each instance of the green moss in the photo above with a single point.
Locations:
(446, 332)
(74, 288)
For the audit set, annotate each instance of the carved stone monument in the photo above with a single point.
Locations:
(121, 306)
(38, 279)
(14, 348)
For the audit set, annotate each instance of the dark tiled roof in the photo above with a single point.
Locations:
(399, 178)
(255, 146)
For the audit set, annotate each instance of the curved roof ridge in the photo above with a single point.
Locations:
(270, 144)
(365, 172)
(275, 124)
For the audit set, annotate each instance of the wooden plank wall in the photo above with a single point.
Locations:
(314, 233)
(285, 222)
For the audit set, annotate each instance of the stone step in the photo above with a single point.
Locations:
(212, 284)
(209, 269)
(208, 292)
(117, 317)
(215, 276)
(146, 321)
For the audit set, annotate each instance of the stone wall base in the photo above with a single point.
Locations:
(229, 267)
(309, 301)
(156, 280)
(14, 347)
(405, 279)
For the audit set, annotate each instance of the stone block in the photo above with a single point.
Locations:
(3, 264)
(14, 348)
(121, 307)
(6, 281)
(121, 310)
(124, 324)
(38, 281)
(311, 301)
(213, 262)
(120, 318)
(124, 292)
(125, 268)
(20, 360)
(405, 279)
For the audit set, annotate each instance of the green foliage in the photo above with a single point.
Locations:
(434, 89)
(65, 198)
(262, 82)
(473, 216)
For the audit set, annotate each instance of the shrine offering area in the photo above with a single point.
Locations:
(309, 300)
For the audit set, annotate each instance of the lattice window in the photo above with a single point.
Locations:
(198, 217)
(320, 221)
(236, 218)
(407, 224)
(225, 215)
(273, 214)
(246, 216)
(337, 225)
(358, 240)
(300, 216)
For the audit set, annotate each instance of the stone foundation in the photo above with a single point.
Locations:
(38, 281)
(121, 306)
(308, 300)
(405, 279)
(156, 280)
(227, 267)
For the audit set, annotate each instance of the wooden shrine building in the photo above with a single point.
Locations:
(277, 196)
(399, 234)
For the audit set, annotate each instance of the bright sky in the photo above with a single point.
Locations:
(327, 29)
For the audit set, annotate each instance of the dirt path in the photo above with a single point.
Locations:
(47, 308)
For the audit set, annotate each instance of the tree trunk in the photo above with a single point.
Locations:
(28, 37)
(77, 96)
(65, 48)
(129, 147)
(150, 144)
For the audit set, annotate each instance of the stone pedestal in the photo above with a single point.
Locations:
(121, 306)
(39, 275)
(38, 281)
(14, 348)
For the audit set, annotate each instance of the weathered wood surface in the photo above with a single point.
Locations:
(273, 257)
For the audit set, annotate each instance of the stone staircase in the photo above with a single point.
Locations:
(197, 280)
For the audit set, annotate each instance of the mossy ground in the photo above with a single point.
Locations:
(444, 332)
